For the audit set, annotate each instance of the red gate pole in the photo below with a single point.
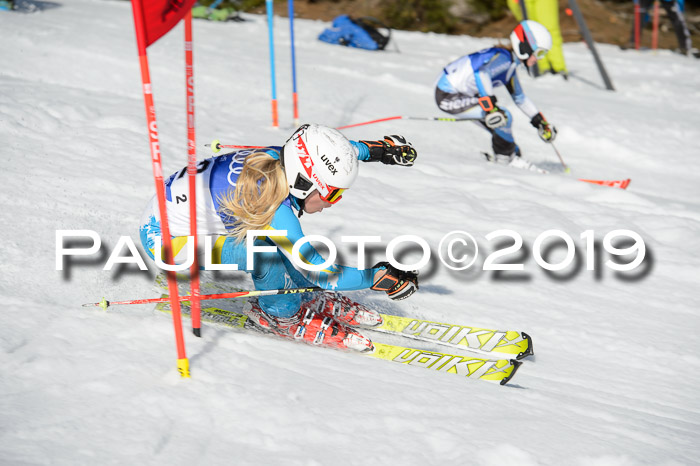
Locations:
(655, 28)
(192, 172)
(637, 24)
(182, 362)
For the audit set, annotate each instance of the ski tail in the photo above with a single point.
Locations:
(622, 184)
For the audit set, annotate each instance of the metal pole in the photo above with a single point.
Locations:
(591, 45)
(183, 364)
(294, 64)
(655, 28)
(275, 121)
(191, 174)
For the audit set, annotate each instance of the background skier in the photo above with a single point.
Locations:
(261, 190)
(467, 86)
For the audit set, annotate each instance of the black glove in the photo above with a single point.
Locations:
(495, 117)
(547, 132)
(393, 150)
(398, 284)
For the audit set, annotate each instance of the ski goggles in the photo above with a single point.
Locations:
(526, 49)
(540, 53)
(334, 195)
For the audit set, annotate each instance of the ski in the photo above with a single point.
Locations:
(491, 343)
(516, 163)
(501, 370)
(622, 184)
(478, 340)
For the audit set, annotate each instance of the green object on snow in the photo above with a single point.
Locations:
(219, 14)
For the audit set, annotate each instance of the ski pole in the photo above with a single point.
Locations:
(442, 118)
(104, 304)
(216, 146)
(566, 169)
(409, 118)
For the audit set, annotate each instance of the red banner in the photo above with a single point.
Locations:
(159, 16)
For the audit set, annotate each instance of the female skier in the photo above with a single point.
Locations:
(467, 84)
(261, 190)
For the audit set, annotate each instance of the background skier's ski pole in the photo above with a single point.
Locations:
(104, 304)
(408, 118)
(566, 169)
(216, 145)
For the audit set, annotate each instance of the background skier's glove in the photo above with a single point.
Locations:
(495, 117)
(398, 284)
(547, 132)
(393, 150)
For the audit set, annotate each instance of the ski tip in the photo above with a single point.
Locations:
(197, 331)
(530, 349)
(516, 365)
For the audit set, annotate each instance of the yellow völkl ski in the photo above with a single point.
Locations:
(506, 342)
(500, 371)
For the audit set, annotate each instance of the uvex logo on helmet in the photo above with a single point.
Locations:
(329, 165)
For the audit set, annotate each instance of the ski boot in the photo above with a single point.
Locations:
(513, 160)
(346, 311)
(519, 162)
(309, 326)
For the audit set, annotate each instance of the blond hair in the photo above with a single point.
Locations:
(260, 189)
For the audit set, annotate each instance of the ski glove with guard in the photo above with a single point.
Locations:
(495, 117)
(398, 284)
(547, 132)
(393, 150)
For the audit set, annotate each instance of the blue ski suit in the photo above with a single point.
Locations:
(215, 177)
(463, 81)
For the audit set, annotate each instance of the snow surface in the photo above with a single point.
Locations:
(617, 367)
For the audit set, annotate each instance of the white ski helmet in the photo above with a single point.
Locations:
(321, 158)
(530, 37)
